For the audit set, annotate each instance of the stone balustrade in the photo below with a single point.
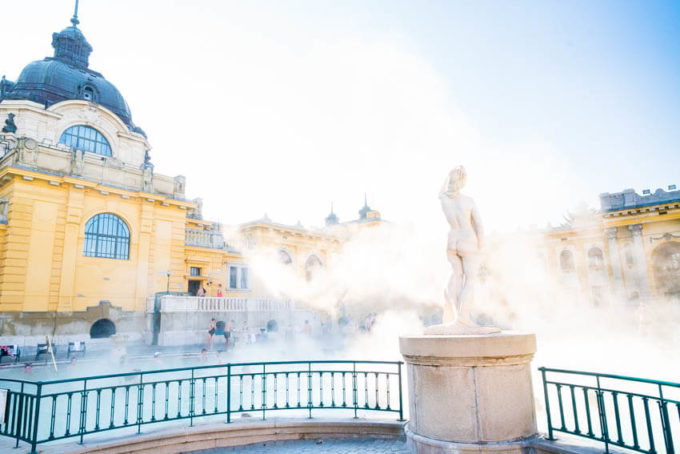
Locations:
(205, 238)
(174, 303)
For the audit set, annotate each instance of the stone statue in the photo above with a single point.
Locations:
(77, 162)
(10, 126)
(147, 161)
(147, 179)
(466, 238)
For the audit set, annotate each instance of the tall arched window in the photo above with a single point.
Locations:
(567, 261)
(107, 236)
(87, 139)
(666, 266)
(595, 258)
(312, 267)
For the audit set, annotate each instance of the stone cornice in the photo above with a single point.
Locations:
(9, 171)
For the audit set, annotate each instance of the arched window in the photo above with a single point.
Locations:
(107, 236)
(567, 261)
(312, 267)
(87, 139)
(595, 258)
(284, 257)
(666, 266)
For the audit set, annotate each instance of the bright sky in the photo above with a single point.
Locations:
(285, 107)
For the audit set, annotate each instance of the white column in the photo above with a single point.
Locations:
(615, 261)
(640, 260)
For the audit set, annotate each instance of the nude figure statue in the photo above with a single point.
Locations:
(465, 240)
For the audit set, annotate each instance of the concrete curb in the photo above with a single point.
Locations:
(180, 439)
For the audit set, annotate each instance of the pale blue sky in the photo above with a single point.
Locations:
(302, 103)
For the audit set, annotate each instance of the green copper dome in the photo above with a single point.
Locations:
(66, 76)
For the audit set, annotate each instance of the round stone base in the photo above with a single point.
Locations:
(424, 445)
(470, 390)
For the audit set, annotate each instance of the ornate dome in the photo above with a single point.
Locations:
(67, 76)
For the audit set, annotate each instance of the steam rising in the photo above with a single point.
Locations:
(399, 272)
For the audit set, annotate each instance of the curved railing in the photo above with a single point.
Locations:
(44, 411)
(633, 413)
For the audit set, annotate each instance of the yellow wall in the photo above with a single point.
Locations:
(41, 252)
(655, 220)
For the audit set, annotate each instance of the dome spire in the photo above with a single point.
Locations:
(363, 212)
(74, 19)
(331, 219)
(70, 46)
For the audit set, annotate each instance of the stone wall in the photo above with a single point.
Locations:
(30, 328)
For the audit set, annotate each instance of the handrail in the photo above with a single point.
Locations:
(76, 407)
(619, 377)
(613, 414)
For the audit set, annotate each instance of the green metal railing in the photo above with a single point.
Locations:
(633, 413)
(39, 412)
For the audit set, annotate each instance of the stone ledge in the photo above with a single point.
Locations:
(578, 445)
(174, 440)
(426, 445)
(504, 348)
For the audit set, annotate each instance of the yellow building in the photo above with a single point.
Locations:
(629, 251)
(85, 222)
(304, 249)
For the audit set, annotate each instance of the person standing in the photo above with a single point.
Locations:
(219, 291)
(211, 331)
(228, 338)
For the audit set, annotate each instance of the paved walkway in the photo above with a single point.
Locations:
(351, 446)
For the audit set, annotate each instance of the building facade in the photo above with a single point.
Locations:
(627, 252)
(84, 219)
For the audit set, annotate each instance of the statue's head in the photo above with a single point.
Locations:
(457, 178)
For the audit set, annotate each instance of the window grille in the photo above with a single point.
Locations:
(107, 236)
(86, 139)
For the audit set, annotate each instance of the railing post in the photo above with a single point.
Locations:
(34, 436)
(140, 402)
(264, 389)
(20, 413)
(309, 388)
(547, 404)
(666, 423)
(603, 416)
(192, 399)
(83, 412)
(228, 393)
(355, 400)
(401, 401)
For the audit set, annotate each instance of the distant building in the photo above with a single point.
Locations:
(630, 248)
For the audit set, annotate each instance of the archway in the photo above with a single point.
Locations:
(666, 267)
(102, 328)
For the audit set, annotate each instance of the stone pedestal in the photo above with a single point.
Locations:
(470, 393)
